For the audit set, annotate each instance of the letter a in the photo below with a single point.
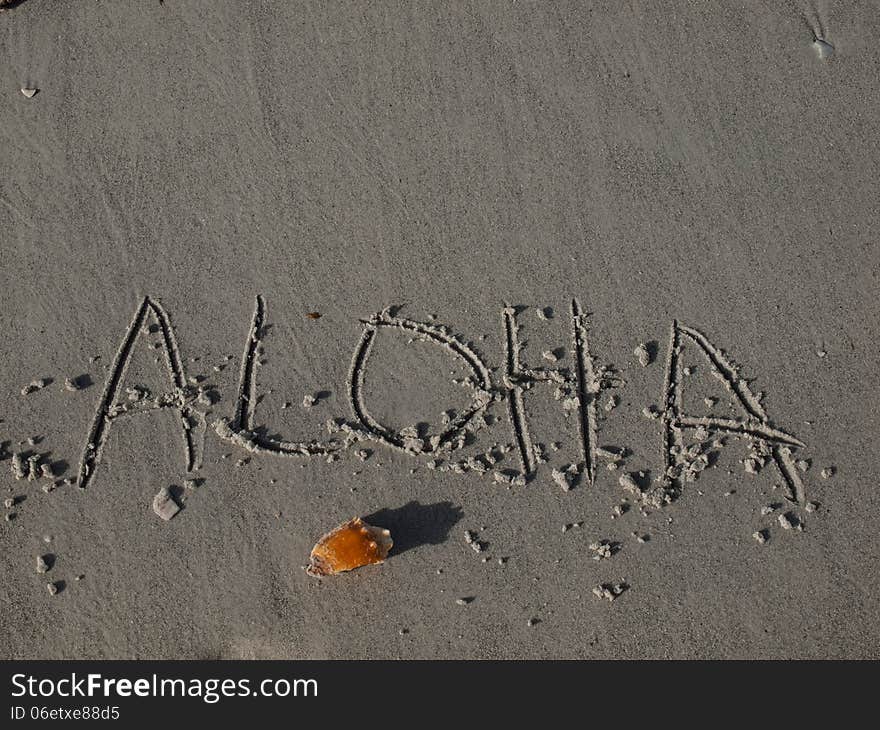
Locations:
(106, 411)
(755, 422)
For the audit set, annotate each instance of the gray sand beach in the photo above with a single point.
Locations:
(578, 300)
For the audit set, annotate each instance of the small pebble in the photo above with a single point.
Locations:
(164, 505)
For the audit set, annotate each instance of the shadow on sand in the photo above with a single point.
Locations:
(416, 524)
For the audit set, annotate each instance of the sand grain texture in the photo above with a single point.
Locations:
(698, 164)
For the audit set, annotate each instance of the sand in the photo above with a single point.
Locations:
(700, 176)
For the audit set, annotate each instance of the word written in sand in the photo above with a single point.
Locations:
(579, 390)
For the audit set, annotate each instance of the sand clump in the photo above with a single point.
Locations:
(610, 591)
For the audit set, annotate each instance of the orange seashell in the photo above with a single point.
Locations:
(349, 546)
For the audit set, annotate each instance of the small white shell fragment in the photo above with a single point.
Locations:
(823, 49)
(29, 93)
(164, 505)
(42, 564)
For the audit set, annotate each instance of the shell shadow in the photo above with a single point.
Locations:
(415, 524)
